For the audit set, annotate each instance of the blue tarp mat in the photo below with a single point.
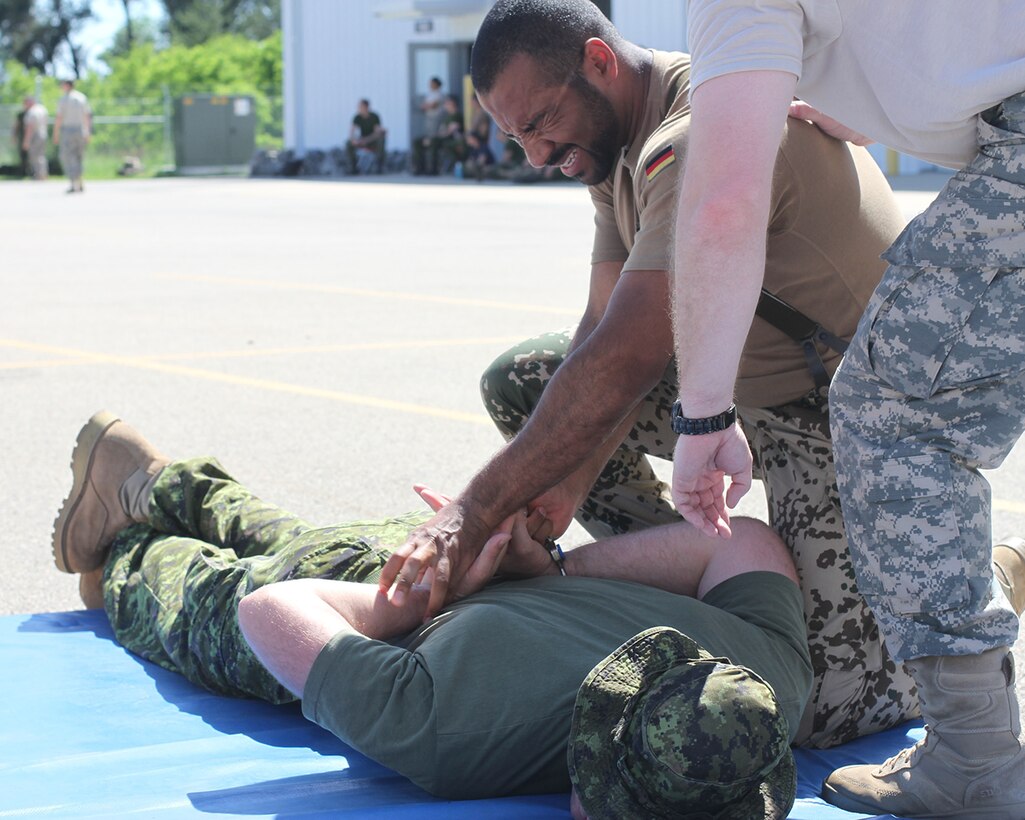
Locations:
(88, 730)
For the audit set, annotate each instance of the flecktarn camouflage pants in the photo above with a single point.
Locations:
(172, 585)
(857, 689)
(931, 392)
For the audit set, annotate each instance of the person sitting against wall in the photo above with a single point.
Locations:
(424, 155)
(451, 138)
(366, 140)
(441, 153)
(479, 157)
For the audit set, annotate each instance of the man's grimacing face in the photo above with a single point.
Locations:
(572, 126)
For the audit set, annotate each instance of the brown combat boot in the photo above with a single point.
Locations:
(1009, 570)
(114, 469)
(90, 589)
(970, 765)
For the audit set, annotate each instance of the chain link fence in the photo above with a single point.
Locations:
(133, 132)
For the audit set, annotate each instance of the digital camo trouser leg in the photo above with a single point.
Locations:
(858, 689)
(931, 392)
(172, 585)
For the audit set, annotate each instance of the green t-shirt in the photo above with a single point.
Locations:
(367, 124)
(478, 701)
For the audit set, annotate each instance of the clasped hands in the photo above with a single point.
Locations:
(514, 548)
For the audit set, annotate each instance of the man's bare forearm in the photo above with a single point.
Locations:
(721, 229)
(668, 557)
(589, 396)
(582, 407)
(585, 407)
(679, 559)
(289, 623)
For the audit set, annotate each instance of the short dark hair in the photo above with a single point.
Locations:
(365, 102)
(551, 32)
(436, 81)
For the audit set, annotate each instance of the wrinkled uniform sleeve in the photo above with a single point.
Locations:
(729, 36)
(608, 245)
(656, 208)
(379, 699)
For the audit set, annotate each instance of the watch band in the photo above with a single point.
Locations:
(699, 427)
(558, 556)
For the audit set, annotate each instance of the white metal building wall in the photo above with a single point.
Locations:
(659, 24)
(338, 51)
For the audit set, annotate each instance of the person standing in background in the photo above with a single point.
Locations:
(33, 143)
(434, 113)
(71, 132)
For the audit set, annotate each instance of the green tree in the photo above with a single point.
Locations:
(136, 83)
(20, 82)
(144, 31)
(47, 35)
(229, 64)
(192, 22)
(15, 18)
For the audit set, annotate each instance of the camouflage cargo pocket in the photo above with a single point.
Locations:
(908, 506)
(919, 323)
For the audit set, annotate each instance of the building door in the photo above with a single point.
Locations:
(450, 62)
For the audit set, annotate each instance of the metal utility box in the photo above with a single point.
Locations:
(214, 133)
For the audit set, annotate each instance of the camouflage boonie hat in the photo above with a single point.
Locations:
(662, 729)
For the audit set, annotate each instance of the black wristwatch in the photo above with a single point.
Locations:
(699, 427)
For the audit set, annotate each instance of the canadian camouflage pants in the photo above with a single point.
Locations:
(858, 689)
(172, 586)
(932, 391)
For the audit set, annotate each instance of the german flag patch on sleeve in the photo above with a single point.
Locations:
(662, 160)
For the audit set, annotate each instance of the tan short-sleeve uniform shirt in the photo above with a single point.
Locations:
(73, 109)
(832, 215)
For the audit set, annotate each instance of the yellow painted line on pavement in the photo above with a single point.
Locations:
(82, 357)
(140, 363)
(396, 295)
(256, 352)
(413, 344)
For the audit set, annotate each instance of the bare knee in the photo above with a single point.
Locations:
(762, 548)
(753, 547)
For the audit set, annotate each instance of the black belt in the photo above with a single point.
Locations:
(803, 330)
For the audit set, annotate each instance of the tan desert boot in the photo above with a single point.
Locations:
(1009, 569)
(971, 764)
(114, 469)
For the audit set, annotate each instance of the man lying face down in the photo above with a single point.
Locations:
(641, 699)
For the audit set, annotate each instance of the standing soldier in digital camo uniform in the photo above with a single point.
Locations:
(932, 389)
(72, 131)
